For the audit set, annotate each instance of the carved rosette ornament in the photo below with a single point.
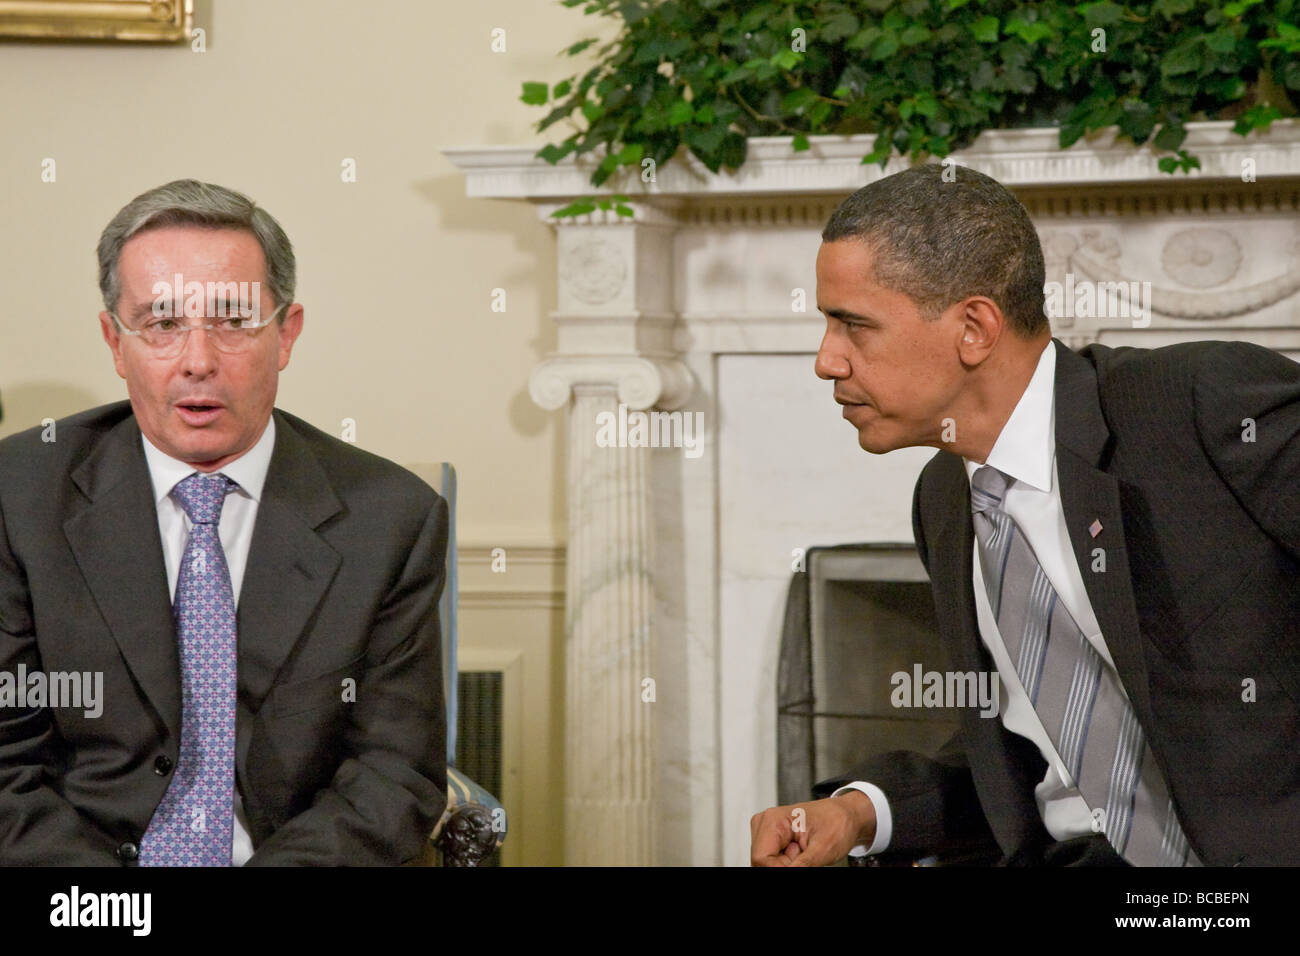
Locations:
(1201, 258)
(593, 271)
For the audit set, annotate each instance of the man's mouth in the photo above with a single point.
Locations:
(198, 413)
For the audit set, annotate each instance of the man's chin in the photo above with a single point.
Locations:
(199, 454)
(871, 440)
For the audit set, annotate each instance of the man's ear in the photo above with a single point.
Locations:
(289, 332)
(114, 340)
(982, 325)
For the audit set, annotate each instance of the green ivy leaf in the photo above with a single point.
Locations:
(838, 26)
(885, 47)
(680, 112)
(864, 38)
(706, 140)
(882, 150)
(579, 207)
(786, 59)
(1258, 117)
(552, 153)
(581, 45)
(985, 29)
(1288, 38)
(1182, 59)
(1031, 33)
(1137, 120)
(1070, 134)
(1101, 14)
(1291, 74)
(1232, 88)
(535, 94)
(916, 33)
(796, 101)
(800, 142)
(1170, 137)
(733, 150)
(1221, 41)
(1237, 9)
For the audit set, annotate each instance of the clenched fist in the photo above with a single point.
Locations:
(816, 833)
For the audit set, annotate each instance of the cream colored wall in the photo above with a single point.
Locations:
(396, 271)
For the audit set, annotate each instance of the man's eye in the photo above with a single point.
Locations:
(162, 325)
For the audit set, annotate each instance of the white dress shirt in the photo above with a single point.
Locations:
(1025, 450)
(238, 515)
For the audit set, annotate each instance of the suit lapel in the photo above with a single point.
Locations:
(1088, 493)
(117, 547)
(951, 541)
(290, 566)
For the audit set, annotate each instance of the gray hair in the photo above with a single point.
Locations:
(939, 242)
(188, 202)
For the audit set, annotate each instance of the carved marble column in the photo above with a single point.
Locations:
(616, 326)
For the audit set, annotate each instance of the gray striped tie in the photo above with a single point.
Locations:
(1076, 694)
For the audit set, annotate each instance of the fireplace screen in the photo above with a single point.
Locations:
(857, 616)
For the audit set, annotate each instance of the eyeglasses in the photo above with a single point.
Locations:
(167, 336)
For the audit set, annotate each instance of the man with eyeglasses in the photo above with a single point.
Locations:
(259, 597)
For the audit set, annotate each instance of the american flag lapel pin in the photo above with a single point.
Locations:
(1094, 529)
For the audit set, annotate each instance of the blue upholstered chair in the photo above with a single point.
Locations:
(474, 823)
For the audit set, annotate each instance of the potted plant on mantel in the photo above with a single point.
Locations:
(925, 76)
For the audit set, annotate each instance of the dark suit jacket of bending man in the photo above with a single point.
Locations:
(344, 573)
(1201, 591)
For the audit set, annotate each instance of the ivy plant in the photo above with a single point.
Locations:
(924, 76)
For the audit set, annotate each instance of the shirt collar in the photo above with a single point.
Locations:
(249, 469)
(1026, 446)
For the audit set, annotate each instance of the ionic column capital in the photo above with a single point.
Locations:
(641, 381)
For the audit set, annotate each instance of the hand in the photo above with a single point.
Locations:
(817, 833)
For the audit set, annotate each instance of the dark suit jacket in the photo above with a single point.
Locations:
(343, 577)
(1201, 592)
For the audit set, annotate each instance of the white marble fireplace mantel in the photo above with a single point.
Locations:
(704, 302)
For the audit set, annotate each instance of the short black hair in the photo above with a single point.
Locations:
(941, 233)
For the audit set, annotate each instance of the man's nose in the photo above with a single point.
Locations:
(831, 363)
(198, 352)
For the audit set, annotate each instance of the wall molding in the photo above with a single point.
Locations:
(833, 164)
(533, 577)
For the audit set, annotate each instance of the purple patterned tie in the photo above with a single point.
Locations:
(194, 823)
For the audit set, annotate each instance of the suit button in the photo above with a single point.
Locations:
(162, 766)
(128, 852)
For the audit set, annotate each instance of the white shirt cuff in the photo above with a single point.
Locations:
(884, 820)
